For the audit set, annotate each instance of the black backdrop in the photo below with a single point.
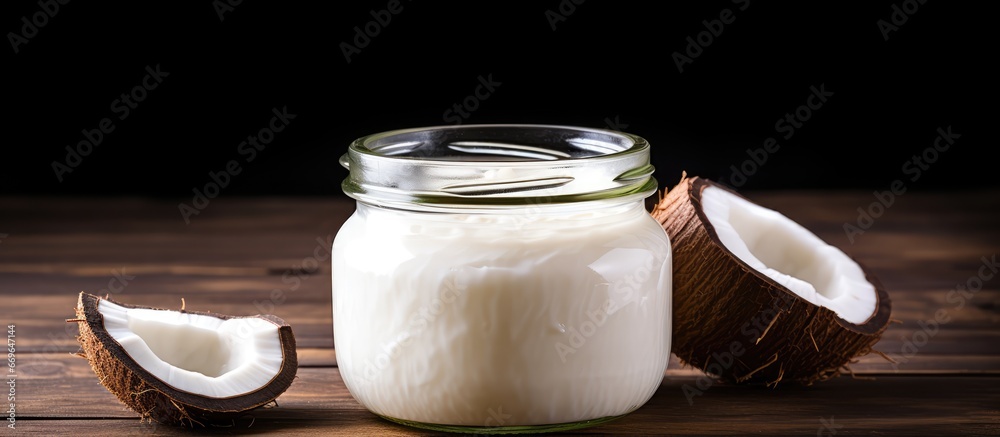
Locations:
(597, 63)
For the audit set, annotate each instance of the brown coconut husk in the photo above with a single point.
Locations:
(154, 399)
(722, 306)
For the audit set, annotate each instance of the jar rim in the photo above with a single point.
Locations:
(496, 166)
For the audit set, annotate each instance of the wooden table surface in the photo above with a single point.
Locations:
(233, 254)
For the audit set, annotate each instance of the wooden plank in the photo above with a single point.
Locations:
(40, 306)
(41, 325)
(318, 403)
(40, 319)
(118, 230)
(44, 377)
(257, 215)
(40, 313)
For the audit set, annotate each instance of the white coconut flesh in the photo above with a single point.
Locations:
(195, 353)
(790, 254)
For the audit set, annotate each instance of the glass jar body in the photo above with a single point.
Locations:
(523, 319)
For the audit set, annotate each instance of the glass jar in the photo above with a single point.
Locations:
(502, 278)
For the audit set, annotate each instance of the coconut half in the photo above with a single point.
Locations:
(185, 367)
(758, 297)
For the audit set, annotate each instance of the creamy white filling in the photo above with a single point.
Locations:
(502, 319)
(789, 254)
(198, 354)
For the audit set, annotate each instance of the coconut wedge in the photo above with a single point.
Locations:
(185, 367)
(758, 297)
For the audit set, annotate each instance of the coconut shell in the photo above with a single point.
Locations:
(742, 326)
(154, 399)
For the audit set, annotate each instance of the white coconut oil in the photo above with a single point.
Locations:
(501, 278)
(516, 318)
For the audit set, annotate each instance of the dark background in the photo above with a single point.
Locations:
(607, 60)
